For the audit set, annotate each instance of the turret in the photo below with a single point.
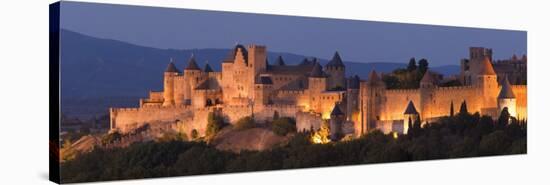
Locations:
(409, 116)
(335, 69)
(507, 98)
(336, 120)
(169, 74)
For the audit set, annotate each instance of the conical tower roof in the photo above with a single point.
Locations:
(171, 68)
(506, 91)
(428, 78)
(280, 61)
(336, 111)
(486, 68)
(231, 56)
(410, 109)
(373, 78)
(207, 68)
(336, 61)
(317, 71)
(192, 64)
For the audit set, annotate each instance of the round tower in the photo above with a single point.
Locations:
(507, 98)
(192, 74)
(336, 69)
(169, 75)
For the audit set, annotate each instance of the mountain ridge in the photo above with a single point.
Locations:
(101, 62)
(101, 69)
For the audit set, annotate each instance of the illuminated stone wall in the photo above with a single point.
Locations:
(521, 100)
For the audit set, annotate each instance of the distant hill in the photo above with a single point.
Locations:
(100, 69)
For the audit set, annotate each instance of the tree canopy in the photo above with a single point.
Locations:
(462, 135)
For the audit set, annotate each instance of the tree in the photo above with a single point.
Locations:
(214, 125)
(463, 108)
(391, 81)
(245, 123)
(275, 115)
(423, 65)
(409, 125)
(417, 123)
(283, 126)
(452, 113)
(504, 118)
(495, 143)
(412, 64)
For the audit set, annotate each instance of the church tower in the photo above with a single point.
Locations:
(507, 98)
(169, 74)
(336, 72)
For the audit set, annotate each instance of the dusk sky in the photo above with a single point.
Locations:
(359, 41)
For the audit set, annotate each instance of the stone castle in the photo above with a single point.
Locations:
(248, 85)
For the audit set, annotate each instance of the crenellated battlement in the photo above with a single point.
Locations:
(188, 97)
(402, 91)
(457, 87)
(292, 92)
(519, 87)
